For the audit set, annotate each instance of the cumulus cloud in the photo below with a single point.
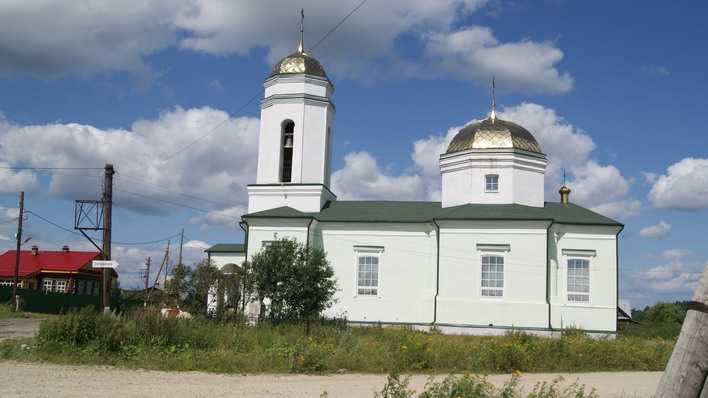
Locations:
(228, 217)
(674, 277)
(655, 70)
(362, 178)
(474, 53)
(50, 38)
(210, 176)
(659, 231)
(683, 187)
(673, 254)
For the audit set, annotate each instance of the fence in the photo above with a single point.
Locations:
(49, 303)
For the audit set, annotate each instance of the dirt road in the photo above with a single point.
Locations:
(14, 328)
(45, 380)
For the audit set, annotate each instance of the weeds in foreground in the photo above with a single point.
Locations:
(147, 340)
(472, 386)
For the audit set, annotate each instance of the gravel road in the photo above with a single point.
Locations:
(14, 328)
(46, 380)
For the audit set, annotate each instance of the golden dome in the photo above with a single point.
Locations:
(493, 133)
(299, 63)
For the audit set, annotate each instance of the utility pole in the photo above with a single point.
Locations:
(147, 281)
(107, 202)
(181, 243)
(167, 266)
(17, 253)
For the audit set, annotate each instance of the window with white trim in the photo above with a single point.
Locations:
(367, 274)
(491, 183)
(60, 285)
(492, 276)
(578, 280)
(47, 284)
(6, 283)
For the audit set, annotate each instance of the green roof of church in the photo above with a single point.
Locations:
(414, 212)
(227, 248)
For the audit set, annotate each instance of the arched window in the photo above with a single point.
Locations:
(286, 162)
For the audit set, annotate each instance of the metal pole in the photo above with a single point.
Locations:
(107, 206)
(147, 281)
(17, 252)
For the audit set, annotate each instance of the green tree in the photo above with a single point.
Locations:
(177, 288)
(297, 280)
(204, 279)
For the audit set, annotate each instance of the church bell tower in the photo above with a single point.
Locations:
(294, 148)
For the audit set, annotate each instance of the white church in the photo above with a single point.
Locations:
(491, 256)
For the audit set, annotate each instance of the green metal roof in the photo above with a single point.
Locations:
(227, 248)
(415, 212)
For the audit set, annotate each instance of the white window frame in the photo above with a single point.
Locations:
(481, 273)
(368, 251)
(568, 292)
(49, 288)
(487, 183)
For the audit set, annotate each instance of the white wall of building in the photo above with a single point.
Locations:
(520, 177)
(407, 267)
(221, 259)
(598, 244)
(462, 245)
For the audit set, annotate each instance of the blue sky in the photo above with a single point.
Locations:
(614, 93)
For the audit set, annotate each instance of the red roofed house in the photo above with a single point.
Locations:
(62, 271)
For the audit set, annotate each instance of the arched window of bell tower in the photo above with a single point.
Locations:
(286, 151)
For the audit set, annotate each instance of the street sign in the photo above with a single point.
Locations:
(105, 264)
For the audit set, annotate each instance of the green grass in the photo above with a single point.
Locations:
(8, 311)
(145, 340)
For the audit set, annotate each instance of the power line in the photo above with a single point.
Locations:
(163, 200)
(341, 22)
(213, 129)
(50, 168)
(169, 190)
(48, 221)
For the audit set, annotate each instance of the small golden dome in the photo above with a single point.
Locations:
(299, 63)
(493, 133)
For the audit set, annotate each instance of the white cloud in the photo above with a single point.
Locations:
(673, 254)
(474, 53)
(655, 70)
(675, 277)
(228, 217)
(683, 187)
(650, 178)
(361, 178)
(51, 38)
(196, 245)
(216, 169)
(659, 231)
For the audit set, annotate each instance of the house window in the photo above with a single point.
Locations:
(6, 283)
(48, 285)
(491, 183)
(492, 276)
(578, 280)
(286, 163)
(60, 285)
(367, 280)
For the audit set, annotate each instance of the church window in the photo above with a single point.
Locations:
(286, 163)
(578, 280)
(367, 270)
(492, 276)
(491, 183)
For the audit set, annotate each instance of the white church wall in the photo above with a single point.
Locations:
(407, 269)
(305, 198)
(464, 178)
(313, 144)
(297, 84)
(462, 245)
(270, 229)
(597, 244)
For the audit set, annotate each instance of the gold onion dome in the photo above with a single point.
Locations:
(299, 63)
(493, 133)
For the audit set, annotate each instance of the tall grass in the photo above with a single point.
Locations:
(144, 339)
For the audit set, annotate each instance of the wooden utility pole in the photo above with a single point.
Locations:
(167, 266)
(17, 252)
(147, 281)
(685, 374)
(181, 243)
(107, 202)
